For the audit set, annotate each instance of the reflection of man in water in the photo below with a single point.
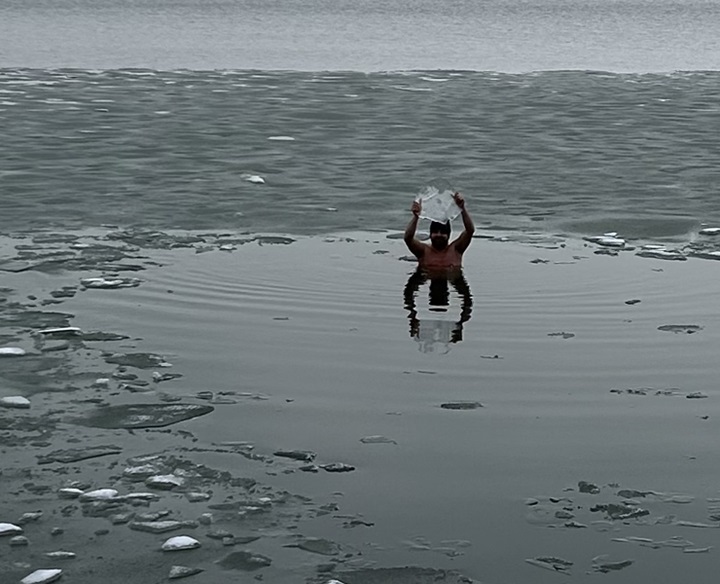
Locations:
(431, 332)
(440, 254)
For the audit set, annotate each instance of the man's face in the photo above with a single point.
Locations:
(439, 240)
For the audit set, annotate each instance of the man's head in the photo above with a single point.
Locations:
(439, 234)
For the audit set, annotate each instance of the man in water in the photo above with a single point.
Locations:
(441, 254)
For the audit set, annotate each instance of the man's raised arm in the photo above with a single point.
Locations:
(414, 244)
(464, 239)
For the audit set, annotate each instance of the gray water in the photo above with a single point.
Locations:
(123, 120)
(576, 152)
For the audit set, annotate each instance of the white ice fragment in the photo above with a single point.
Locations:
(140, 472)
(255, 179)
(61, 555)
(180, 542)
(282, 138)
(182, 571)
(164, 481)
(42, 577)
(608, 239)
(69, 493)
(11, 352)
(15, 401)
(10, 529)
(141, 497)
(65, 330)
(100, 283)
(710, 231)
(99, 495)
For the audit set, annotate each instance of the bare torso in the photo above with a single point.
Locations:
(433, 259)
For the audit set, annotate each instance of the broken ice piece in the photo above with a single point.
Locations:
(180, 542)
(377, 440)
(99, 495)
(303, 455)
(11, 352)
(42, 577)
(255, 179)
(60, 555)
(15, 401)
(609, 239)
(710, 231)
(166, 482)
(551, 563)
(10, 529)
(601, 565)
(337, 467)
(65, 330)
(69, 493)
(182, 572)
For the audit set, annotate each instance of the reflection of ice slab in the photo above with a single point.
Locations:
(438, 206)
(435, 336)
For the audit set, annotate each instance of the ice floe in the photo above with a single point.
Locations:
(609, 239)
(99, 495)
(11, 352)
(10, 529)
(42, 576)
(15, 401)
(179, 543)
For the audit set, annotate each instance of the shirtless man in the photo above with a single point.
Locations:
(440, 255)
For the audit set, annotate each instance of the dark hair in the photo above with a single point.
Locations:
(441, 227)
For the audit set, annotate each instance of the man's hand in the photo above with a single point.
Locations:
(459, 201)
(416, 208)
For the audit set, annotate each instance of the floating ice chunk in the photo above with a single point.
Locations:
(377, 440)
(661, 253)
(10, 529)
(61, 555)
(255, 179)
(182, 572)
(69, 493)
(600, 564)
(164, 481)
(609, 239)
(551, 563)
(707, 255)
(15, 401)
(105, 283)
(65, 330)
(281, 138)
(180, 542)
(710, 231)
(42, 577)
(141, 472)
(156, 526)
(99, 495)
(11, 352)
